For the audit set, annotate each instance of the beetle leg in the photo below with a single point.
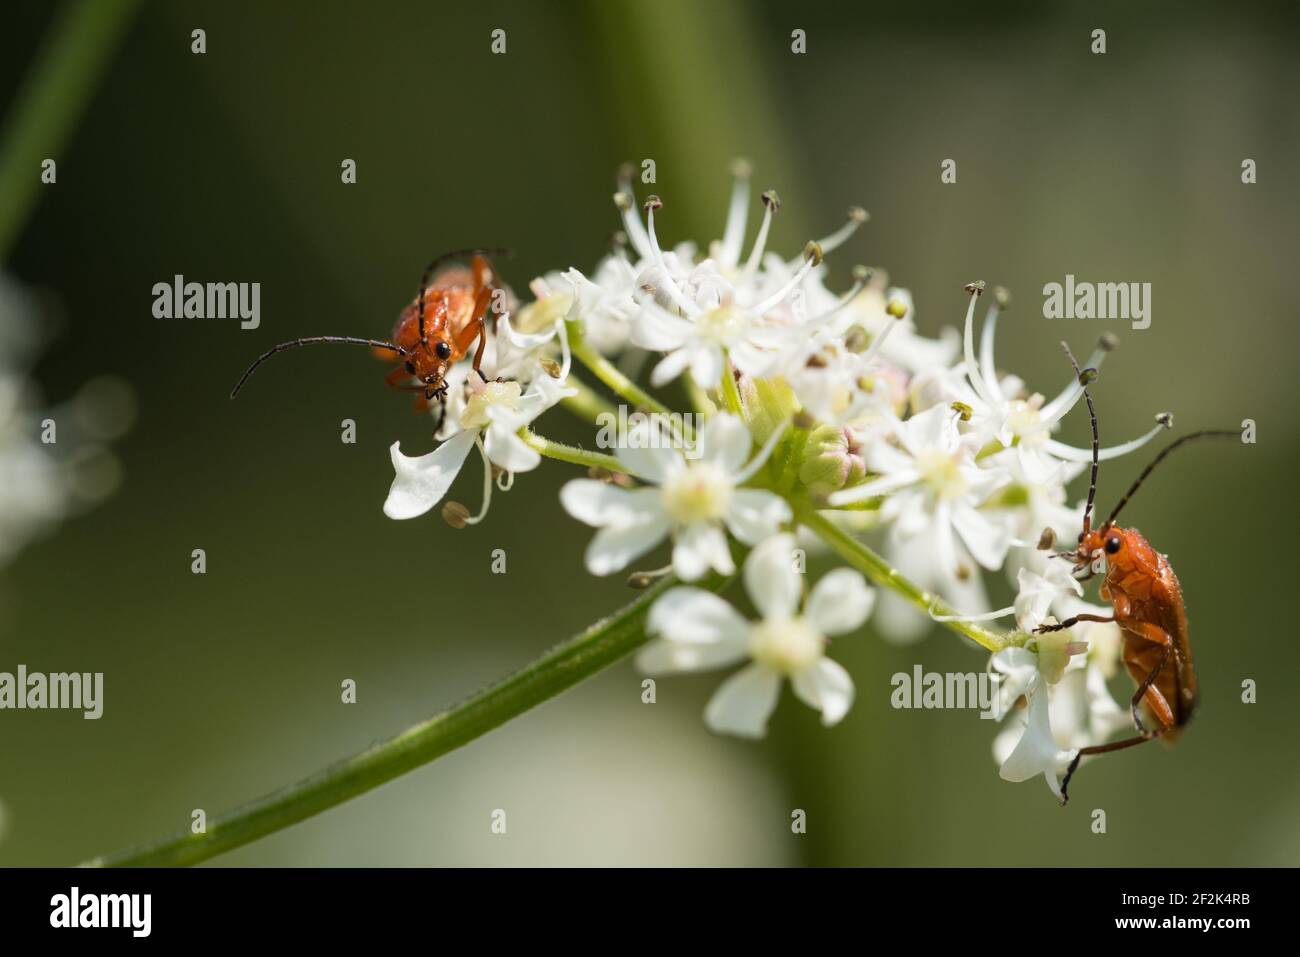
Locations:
(476, 328)
(1070, 623)
(442, 414)
(1142, 738)
(1153, 633)
(394, 379)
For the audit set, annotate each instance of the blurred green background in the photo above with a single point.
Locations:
(225, 166)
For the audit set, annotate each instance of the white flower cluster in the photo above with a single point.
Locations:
(811, 401)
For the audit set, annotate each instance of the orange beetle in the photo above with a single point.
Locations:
(436, 330)
(1148, 603)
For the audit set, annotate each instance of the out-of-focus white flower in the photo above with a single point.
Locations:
(698, 631)
(54, 462)
(694, 500)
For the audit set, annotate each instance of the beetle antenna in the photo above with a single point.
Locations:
(429, 270)
(1216, 434)
(1086, 376)
(376, 343)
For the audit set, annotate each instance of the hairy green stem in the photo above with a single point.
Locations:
(882, 573)
(57, 87)
(600, 646)
(572, 454)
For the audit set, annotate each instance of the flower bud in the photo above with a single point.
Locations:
(768, 403)
(832, 459)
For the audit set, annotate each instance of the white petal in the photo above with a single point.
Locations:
(507, 450)
(614, 547)
(1037, 753)
(753, 361)
(725, 440)
(524, 340)
(880, 486)
(987, 542)
(771, 579)
(600, 503)
(755, 514)
(695, 616)
(840, 602)
(658, 330)
(698, 548)
(648, 451)
(668, 657)
(826, 686)
(670, 367)
(421, 482)
(706, 365)
(743, 703)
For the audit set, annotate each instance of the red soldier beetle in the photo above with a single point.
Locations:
(433, 332)
(1148, 601)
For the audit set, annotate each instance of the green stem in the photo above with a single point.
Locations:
(600, 646)
(572, 454)
(608, 373)
(54, 92)
(882, 573)
(730, 393)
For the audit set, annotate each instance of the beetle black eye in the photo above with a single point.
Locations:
(1112, 545)
(443, 349)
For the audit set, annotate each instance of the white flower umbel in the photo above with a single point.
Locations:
(696, 631)
(490, 420)
(694, 500)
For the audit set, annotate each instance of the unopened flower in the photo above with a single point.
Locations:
(696, 630)
(832, 459)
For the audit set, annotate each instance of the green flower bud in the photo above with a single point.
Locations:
(768, 403)
(832, 459)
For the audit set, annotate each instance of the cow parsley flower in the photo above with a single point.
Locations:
(1029, 749)
(490, 420)
(693, 500)
(696, 631)
(930, 479)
